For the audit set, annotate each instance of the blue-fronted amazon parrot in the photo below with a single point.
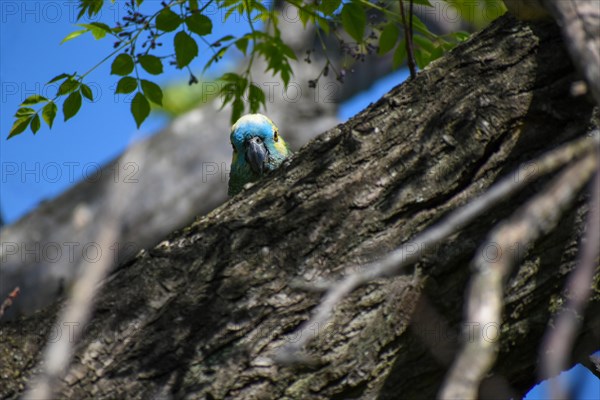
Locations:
(257, 149)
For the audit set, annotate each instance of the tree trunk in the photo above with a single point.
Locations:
(200, 315)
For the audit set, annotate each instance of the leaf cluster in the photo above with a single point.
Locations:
(70, 86)
(361, 26)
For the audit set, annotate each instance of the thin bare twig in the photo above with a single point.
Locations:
(439, 337)
(404, 256)
(485, 299)
(410, 51)
(8, 301)
(557, 345)
(79, 307)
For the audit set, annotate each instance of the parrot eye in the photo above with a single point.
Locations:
(275, 136)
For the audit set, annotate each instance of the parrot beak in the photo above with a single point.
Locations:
(256, 154)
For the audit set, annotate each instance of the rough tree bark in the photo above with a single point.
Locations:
(199, 315)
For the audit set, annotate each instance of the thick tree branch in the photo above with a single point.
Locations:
(395, 262)
(202, 314)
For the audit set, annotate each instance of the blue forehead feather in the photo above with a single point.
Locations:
(251, 125)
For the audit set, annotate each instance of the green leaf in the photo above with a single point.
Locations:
(323, 24)
(98, 29)
(126, 85)
(263, 12)
(231, 77)
(286, 75)
(102, 26)
(422, 57)
(71, 105)
(122, 65)
(242, 44)
(58, 78)
(35, 124)
(328, 7)
(399, 56)
(354, 20)
(437, 52)
(460, 36)
(388, 38)
(286, 50)
(226, 38)
(420, 27)
(49, 112)
(87, 92)
(68, 86)
(237, 109)
(24, 112)
(152, 91)
(256, 98)
(140, 108)
(92, 7)
(215, 58)
(34, 99)
(424, 43)
(19, 126)
(73, 35)
(186, 49)
(151, 64)
(304, 15)
(228, 13)
(167, 20)
(199, 24)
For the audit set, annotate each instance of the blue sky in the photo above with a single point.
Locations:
(578, 381)
(36, 168)
(41, 167)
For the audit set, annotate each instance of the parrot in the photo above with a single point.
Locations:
(257, 149)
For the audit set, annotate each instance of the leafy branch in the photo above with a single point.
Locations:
(185, 20)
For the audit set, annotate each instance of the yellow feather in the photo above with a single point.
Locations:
(280, 146)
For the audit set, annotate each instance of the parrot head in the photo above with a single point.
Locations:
(257, 149)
